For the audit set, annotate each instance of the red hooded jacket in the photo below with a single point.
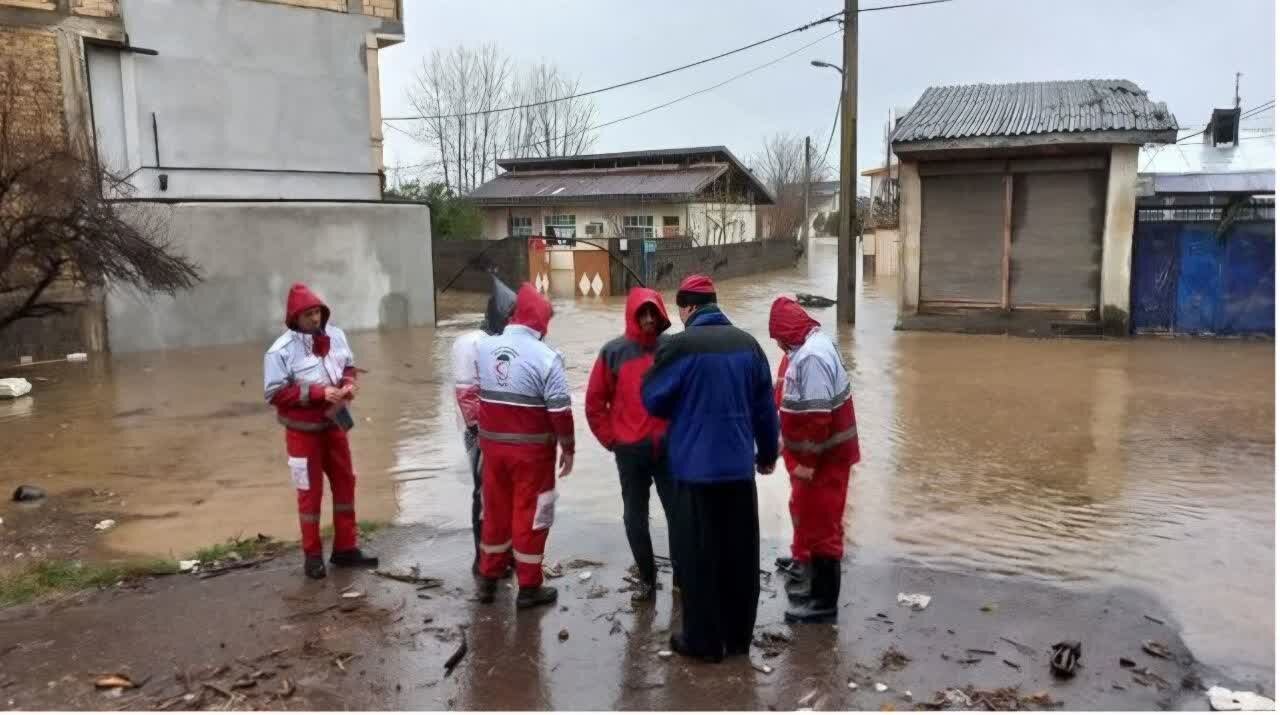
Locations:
(614, 408)
(289, 401)
(813, 392)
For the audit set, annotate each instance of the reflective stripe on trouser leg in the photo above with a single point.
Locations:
(495, 523)
(522, 558)
(533, 475)
(342, 479)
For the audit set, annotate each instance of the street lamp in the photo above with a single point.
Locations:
(820, 63)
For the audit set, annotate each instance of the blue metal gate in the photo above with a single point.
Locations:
(1192, 277)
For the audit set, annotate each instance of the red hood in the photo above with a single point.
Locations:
(637, 299)
(789, 323)
(301, 299)
(532, 310)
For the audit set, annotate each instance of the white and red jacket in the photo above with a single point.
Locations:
(466, 377)
(816, 402)
(524, 394)
(299, 366)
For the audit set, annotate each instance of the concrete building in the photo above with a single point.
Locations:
(252, 128)
(1017, 204)
(701, 193)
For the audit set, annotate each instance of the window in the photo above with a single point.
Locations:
(637, 226)
(560, 226)
(595, 228)
(670, 226)
(521, 226)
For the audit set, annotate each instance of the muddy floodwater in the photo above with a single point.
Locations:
(1080, 463)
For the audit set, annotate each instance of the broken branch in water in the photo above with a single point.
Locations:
(458, 654)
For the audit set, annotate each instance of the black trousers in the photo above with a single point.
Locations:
(472, 442)
(638, 468)
(718, 565)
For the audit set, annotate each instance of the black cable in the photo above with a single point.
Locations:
(895, 7)
(834, 123)
(628, 83)
(664, 105)
(1256, 110)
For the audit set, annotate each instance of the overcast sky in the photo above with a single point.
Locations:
(1183, 52)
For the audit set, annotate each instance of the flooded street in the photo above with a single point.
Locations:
(1145, 463)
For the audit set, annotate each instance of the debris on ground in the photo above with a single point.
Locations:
(807, 699)
(113, 680)
(881, 687)
(809, 300)
(104, 524)
(578, 564)
(1222, 699)
(1023, 649)
(771, 643)
(1003, 699)
(410, 575)
(668, 654)
(564, 634)
(1153, 619)
(853, 685)
(77, 357)
(988, 608)
(1157, 649)
(584, 576)
(1065, 658)
(761, 667)
(1146, 678)
(12, 387)
(893, 659)
(1126, 663)
(597, 591)
(458, 654)
(1012, 664)
(187, 565)
(918, 601)
(26, 492)
(554, 571)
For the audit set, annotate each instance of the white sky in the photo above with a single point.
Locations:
(1183, 52)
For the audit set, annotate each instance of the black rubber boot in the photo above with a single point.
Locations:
(536, 596)
(800, 587)
(488, 589)
(353, 557)
(823, 605)
(314, 567)
(784, 563)
(678, 646)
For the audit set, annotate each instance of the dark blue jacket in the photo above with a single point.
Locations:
(712, 381)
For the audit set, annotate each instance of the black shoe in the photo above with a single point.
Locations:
(536, 596)
(678, 646)
(784, 563)
(314, 567)
(353, 557)
(645, 593)
(823, 604)
(488, 590)
(800, 587)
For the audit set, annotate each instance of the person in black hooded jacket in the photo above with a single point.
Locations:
(466, 391)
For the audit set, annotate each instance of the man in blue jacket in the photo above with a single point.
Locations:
(713, 383)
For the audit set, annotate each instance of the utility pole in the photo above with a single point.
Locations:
(846, 271)
(806, 192)
(1237, 90)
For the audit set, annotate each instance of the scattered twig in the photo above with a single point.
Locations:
(315, 612)
(221, 691)
(213, 573)
(1153, 619)
(1023, 649)
(458, 654)
(1012, 664)
(981, 651)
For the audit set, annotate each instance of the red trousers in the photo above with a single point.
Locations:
(326, 452)
(817, 512)
(513, 479)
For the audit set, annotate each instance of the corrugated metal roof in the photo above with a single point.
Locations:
(1028, 108)
(674, 184)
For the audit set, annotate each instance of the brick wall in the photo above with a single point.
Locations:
(29, 62)
(96, 8)
(509, 256)
(375, 8)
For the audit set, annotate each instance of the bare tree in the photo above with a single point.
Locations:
(780, 163)
(552, 128)
(59, 228)
(456, 91)
(464, 94)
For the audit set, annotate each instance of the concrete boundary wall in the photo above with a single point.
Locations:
(370, 262)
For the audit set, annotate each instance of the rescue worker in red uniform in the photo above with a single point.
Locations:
(795, 566)
(309, 375)
(618, 418)
(524, 414)
(819, 448)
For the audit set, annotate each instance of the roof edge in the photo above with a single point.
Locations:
(1136, 137)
